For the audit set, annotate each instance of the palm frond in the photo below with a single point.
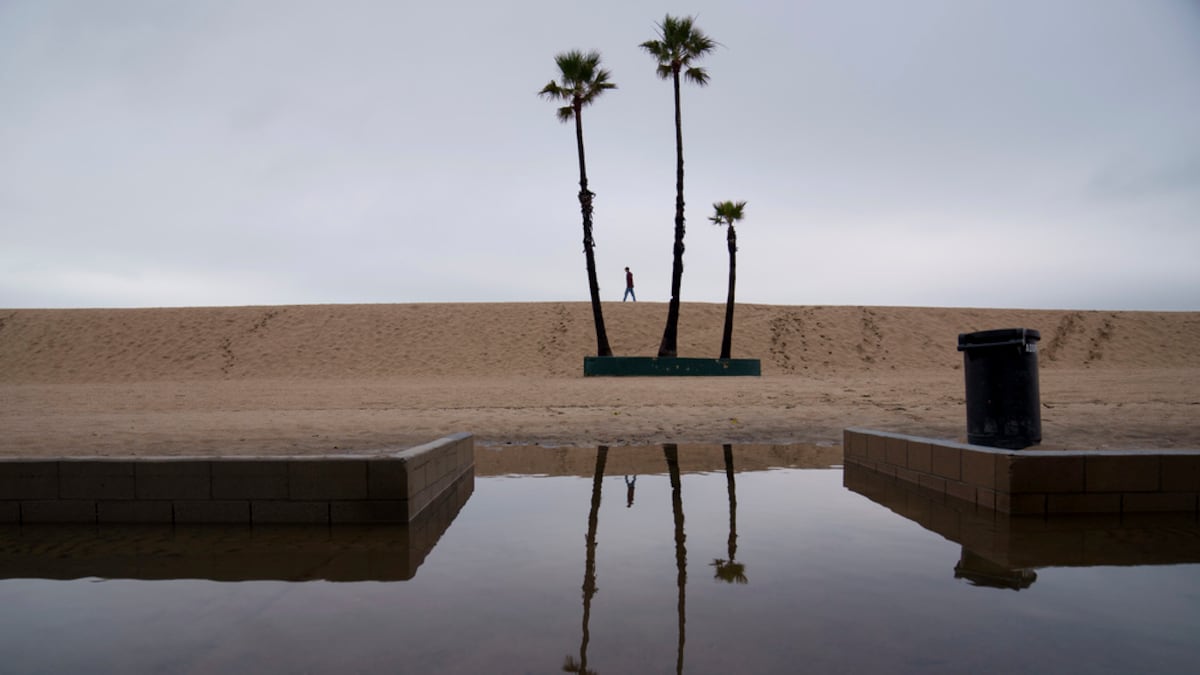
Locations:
(582, 80)
(565, 113)
(698, 76)
(680, 42)
(552, 91)
(727, 212)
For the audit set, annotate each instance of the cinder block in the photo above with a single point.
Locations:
(1043, 472)
(59, 511)
(1083, 503)
(896, 450)
(946, 462)
(876, 448)
(1122, 473)
(920, 457)
(134, 511)
(1021, 504)
(206, 511)
(1159, 502)
(387, 479)
(95, 479)
(1181, 473)
(979, 468)
(934, 483)
(327, 479)
(249, 479)
(908, 475)
(28, 480)
(264, 512)
(167, 479)
(960, 490)
(369, 511)
(418, 479)
(985, 498)
(854, 444)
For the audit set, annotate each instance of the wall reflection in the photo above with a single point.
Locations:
(225, 553)
(1002, 551)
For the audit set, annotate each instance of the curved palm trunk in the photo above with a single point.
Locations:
(727, 336)
(585, 205)
(732, 489)
(668, 348)
(589, 569)
(671, 452)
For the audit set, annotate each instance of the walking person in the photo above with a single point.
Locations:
(629, 286)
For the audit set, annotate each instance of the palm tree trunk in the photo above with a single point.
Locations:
(585, 205)
(668, 348)
(727, 336)
(671, 452)
(732, 489)
(589, 569)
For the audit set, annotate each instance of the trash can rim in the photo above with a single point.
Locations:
(999, 337)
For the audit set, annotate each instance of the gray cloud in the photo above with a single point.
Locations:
(918, 153)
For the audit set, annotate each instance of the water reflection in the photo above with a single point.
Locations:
(726, 569)
(1000, 551)
(841, 583)
(570, 665)
(729, 569)
(671, 452)
(220, 553)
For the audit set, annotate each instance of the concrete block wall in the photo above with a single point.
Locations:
(384, 487)
(292, 553)
(1024, 482)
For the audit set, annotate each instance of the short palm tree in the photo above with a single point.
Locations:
(679, 43)
(728, 213)
(583, 80)
(729, 570)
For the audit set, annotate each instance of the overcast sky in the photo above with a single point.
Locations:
(990, 153)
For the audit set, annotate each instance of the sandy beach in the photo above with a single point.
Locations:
(341, 378)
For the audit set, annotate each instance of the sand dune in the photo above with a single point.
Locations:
(316, 378)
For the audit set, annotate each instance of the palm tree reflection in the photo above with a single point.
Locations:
(671, 452)
(730, 571)
(570, 665)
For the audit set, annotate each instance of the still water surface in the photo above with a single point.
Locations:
(776, 570)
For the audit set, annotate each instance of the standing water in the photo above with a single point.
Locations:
(707, 559)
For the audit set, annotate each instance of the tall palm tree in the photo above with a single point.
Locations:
(583, 80)
(679, 43)
(728, 213)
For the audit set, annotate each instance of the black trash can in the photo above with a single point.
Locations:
(1003, 403)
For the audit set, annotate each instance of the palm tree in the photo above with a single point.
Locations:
(583, 80)
(728, 213)
(671, 453)
(729, 570)
(679, 44)
(570, 665)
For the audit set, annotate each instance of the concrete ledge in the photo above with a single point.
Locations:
(1034, 482)
(1015, 544)
(392, 486)
(286, 552)
(650, 366)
